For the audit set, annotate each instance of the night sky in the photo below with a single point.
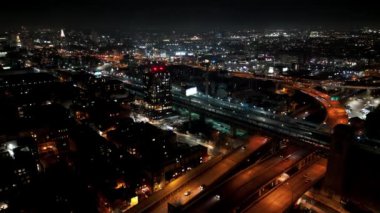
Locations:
(189, 15)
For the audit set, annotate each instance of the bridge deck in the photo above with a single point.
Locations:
(284, 196)
(238, 188)
(174, 192)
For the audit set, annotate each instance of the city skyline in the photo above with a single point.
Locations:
(189, 16)
(200, 106)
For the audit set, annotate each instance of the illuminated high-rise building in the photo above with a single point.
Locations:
(157, 88)
(18, 41)
(62, 39)
(62, 34)
(15, 40)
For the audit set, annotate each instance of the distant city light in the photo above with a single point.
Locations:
(180, 53)
(3, 54)
(271, 70)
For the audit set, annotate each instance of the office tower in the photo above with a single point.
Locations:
(157, 89)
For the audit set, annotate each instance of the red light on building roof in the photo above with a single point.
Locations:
(157, 68)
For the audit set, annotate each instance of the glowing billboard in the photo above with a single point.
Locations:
(191, 91)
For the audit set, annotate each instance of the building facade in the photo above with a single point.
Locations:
(157, 89)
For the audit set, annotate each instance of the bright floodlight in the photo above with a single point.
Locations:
(3, 206)
(11, 146)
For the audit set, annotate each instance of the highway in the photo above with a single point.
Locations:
(305, 82)
(248, 116)
(218, 104)
(317, 206)
(288, 193)
(336, 113)
(190, 183)
(254, 117)
(237, 190)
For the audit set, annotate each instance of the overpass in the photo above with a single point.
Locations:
(243, 116)
(252, 118)
(283, 197)
(207, 174)
(306, 82)
(336, 113)
(250, 184)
